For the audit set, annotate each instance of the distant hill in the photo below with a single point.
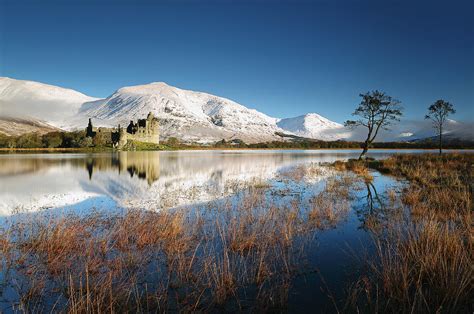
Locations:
(313, 125)
(27, 99)
(17, 126)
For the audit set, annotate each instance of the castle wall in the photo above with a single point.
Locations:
(144, 136)
(145, 130)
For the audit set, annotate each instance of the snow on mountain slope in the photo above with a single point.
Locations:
(188, 115)
(312, 125)
(17, 126)
(420, 130)
(27, 99)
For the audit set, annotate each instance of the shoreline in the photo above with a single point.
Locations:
(106, 150)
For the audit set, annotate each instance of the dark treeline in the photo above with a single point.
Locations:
(312, 144)
(78, 139)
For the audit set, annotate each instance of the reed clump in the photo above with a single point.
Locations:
(359, 167)
(301, 173)
(329, 207)
(423, 260)
(212, 257)
(443, 183)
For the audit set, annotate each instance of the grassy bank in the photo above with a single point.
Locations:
(424, 257)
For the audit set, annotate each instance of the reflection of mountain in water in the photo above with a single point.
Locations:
(144, 165)
(190, 177)
(151, 180)
(35, 181)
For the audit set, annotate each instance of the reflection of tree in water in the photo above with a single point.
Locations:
(372, 211)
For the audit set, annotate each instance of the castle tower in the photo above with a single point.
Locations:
(122, 136)
(89, 129)
(153, 128)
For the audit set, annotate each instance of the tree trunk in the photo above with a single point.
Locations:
(440, 140)
(364, 151)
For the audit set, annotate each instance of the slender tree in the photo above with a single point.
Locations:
(376, 111)
(438, 113)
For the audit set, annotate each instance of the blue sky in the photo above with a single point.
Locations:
(282, 58)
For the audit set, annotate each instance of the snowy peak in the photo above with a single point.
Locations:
(313, 125)
(12, 87)
(41, 101)
(157, 88)
(189, 115)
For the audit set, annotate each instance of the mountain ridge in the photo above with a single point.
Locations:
(35, 100)
(191, 116)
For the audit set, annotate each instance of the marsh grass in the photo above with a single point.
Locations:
(438, 184)
(359, 167)
(332, 204)
(423, 259)
(303, 173)
(230, 254)
(243, 253)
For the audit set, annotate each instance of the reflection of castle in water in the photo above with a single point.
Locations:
(144, 165)
(174, 178)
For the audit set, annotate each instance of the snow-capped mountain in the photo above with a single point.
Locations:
(33, 100)
(27, 106)
(420, 130)
(189, 115)
(185, 114)
(312, 125)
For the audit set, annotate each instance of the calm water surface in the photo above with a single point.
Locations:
(117, 181)
(148, 180)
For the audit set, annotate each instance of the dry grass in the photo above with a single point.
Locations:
(439, 184)
(300, 173)
(241, 254)
(424, 261)
(359, 167)
(210, 258)
(332, 205)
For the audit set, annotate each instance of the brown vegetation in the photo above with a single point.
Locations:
(224, 255)
(359, 167)
(242, 253)
(424, 261)
(439, 184)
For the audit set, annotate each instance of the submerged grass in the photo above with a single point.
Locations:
(227, 255)
(424, 259)
(243, 253)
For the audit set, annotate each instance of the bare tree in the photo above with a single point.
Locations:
(376, 111)
(438, 114)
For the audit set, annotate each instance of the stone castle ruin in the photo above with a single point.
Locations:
(144, 130)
